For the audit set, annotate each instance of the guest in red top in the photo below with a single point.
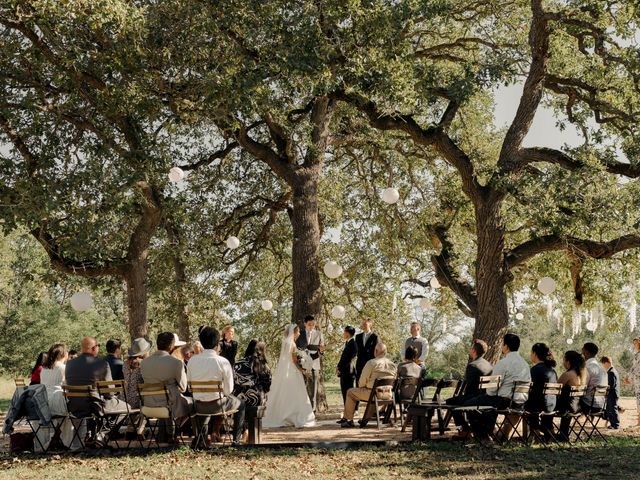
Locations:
(37, 368)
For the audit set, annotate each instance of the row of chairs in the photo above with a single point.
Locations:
(580, 426)
(160, 415)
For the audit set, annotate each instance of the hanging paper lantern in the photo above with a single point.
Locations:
(425, 303)
(81, 301)
(233, 242)
(332, 269)
(519, 316)
(338, 311)
(329, 327)
(591, 326)
(557, 313)
(176, 174)
(546, 285)
(434, 283)
(266, 305)
(390, 195)
(569, 341)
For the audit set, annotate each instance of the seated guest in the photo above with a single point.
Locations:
(187, 352)
(228, 346)
(72, 354)
(477, 367)
(410, 368)
(378, 367)
(596, 376)
(512, 368)
(161, 367)
(197, 347)
(87, 369)
(208, 366)
(176, 351)
(37, 368)
(542, 372)
(52, 377)
(113, 359)
(574, 376)
(139, 350)
(613, 395)
(252, 375)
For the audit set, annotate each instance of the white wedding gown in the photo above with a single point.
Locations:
(288, 403)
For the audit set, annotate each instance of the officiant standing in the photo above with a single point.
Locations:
(416, 341)
(312, 341)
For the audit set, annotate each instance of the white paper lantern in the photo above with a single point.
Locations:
(390, 195)
(338, 311)
(519, 316)
(434, 283)
(569, 341)
(557, 313)
(546, 285)
(591, 326)
(176, 174)
(332, 269)
(266, 305)
(425, 303)
(81, 301)
(233, 242)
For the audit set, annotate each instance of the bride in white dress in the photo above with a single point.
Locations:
(288, 403)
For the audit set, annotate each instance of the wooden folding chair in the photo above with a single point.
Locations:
(129, 415)
(382, 394)
(201, 430)
(486, 382)
(575, 393)
(20, 382)
(155, 414)
(418, 397)
(537, 431)
(513, 414)
(588, 426)
(85, 392)
(406, 385)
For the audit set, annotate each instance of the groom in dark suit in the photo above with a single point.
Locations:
(366, 345)
(346, 366)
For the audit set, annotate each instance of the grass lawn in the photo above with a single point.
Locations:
(442, 460)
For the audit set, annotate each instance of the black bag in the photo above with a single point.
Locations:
(20, 442)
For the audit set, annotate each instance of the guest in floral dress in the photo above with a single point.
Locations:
(252, 375)
(633, 377)
(132, 374)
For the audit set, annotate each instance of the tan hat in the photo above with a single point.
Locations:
(177, 342)
(139, 347)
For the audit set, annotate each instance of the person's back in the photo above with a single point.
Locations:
(541, 374)
(210, 366)
(375, 368)
(114, 360)
(596, 376)
(480, 367)
(86, 369)
(512, 368)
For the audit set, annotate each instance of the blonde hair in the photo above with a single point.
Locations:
(227, 329)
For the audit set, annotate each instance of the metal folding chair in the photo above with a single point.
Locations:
(513, 414)
(90, 421)
(574, 393)
(201, 430)
(536, 430)
(588, 427)
(418, 397)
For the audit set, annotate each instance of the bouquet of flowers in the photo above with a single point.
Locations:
(304, 360)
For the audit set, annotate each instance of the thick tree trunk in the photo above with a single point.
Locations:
(180, 275)
(305, 222)
(492, 317)
(136, 281)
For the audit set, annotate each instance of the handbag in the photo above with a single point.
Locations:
(20, 442)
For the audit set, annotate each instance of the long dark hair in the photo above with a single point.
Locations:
(251, 348)
(259, 363)
(42, 357)
(55, 353)
(577, 364)
(543, 352)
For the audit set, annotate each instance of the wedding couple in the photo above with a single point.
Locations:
(289, 403)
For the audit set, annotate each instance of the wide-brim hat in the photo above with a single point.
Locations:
(177, 342)
(139, 347)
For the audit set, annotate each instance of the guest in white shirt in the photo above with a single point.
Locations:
(416, 341)
(597, 376)
(512, 368)
(208, 366)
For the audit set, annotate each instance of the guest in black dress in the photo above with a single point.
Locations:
(542, 372)
(228, 346)
(252, 375)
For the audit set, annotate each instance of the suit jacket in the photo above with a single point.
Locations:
(365, 352)
(86, 369)
(475, 369)
(314, 338)
(614, 383)
(376, 368)
(163, 368)
(346, 364)
(115, 364)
